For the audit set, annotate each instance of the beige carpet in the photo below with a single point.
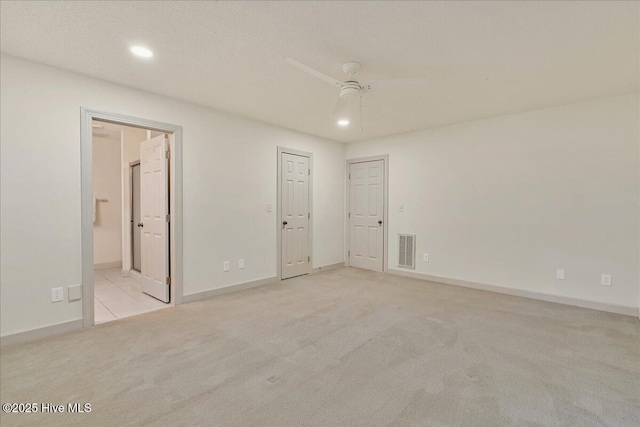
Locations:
(341, 348)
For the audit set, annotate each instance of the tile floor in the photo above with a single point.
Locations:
(117, 297)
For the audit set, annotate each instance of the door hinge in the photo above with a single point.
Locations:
(309, 259)
(309, 170)
(168, 280)
(169, 218)
(349, 176)
(167, 154)
(349, 253)
(349, 214)
(309, 215)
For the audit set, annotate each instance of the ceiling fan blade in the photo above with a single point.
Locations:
(394, 84)
(340, 105)
(314, 72)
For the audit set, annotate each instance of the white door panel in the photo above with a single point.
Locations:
(154, 204)
(366, 215)
(294, 187)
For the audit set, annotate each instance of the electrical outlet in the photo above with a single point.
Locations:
(425, 257)
(560, 274)
(605, 280)
(226, 266)
(401, 208)
(241, 263)
(268, 207)
(57, 294)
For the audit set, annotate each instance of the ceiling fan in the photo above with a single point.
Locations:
(351, 90)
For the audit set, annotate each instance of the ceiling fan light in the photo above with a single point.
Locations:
(142, 52)
(343, 122)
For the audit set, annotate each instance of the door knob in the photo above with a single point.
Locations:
(140, 224)
(380, 222)
(284, 223)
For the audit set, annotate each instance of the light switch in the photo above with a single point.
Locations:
(401, 208)
(241, 263)
(226, 266)
(74, 292)
(268, 207)
(560, 274)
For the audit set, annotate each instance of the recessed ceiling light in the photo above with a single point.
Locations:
(343, 122)
(142, 52)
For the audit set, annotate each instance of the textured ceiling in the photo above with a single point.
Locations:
(480, 59)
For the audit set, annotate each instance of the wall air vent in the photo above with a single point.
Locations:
(407, 251)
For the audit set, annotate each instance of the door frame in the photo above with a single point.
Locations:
(131, 229)
(282, 150)
(385, 210)
(175, 207)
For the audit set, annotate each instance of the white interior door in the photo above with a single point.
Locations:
(294, 190)
(366, 215)
(154, 208)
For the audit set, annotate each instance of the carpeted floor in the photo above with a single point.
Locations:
(342, 348)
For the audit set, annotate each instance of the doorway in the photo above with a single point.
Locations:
(367, 213)
(149, 271)
(294, 212)
(119, 152)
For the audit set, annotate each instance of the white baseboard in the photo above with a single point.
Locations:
(228, 289)
(328, 267)
(45, 331)
(136, 275)
(594, 305)
(125, 273)
(103, 265)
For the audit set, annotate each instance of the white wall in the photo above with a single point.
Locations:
(107, 229)
(506, 201)
(229, 177)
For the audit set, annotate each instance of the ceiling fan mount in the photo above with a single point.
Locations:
(351, 68)
(351, 87)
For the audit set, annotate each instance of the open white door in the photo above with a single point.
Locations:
(294, 190)
(154, 210)
(366, 215)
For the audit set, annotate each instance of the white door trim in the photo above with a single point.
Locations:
(278, 207)
(175, 188)
(385, 159)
